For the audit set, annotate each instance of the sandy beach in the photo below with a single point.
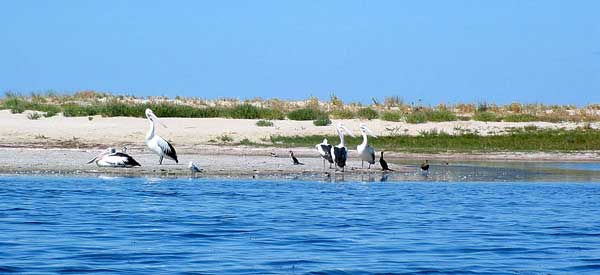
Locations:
(59, 131)
(60, 145)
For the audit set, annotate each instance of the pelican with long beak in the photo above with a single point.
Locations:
(365, 151)
(324, 149)
(111, 158)
(339, 152)
(156, 143)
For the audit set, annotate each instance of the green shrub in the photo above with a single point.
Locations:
(485, 116)
(520, 118)
(264, 123)
(225, 138)
(246, 142)
(246, 111)
(15, 104)
(440, 115)
(34, 116)
(272, 114)
(391, 116)
(322, 122)
(367, 113)
(306, 114)
(50, 113)
(342, 114)
(72, 109)
(416, 117)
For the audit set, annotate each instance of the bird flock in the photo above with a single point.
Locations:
(337, 155)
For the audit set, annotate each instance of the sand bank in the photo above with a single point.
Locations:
(61, 131)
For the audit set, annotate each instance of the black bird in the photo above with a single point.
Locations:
(425, 166)
(294, 159)
(383, 163)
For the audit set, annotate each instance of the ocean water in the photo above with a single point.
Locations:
(82, 225)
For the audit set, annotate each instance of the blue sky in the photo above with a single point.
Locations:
(436, 51)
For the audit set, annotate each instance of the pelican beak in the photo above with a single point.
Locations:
(155, 118)
(348, 131)
(370, 132)
(97, 157)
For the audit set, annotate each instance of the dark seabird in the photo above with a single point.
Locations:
(294, 159)
(383, 163)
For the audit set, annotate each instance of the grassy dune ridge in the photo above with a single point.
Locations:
(91, 103)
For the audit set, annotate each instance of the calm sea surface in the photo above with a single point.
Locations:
(84, 225)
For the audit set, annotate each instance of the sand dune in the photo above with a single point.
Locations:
(17, 129)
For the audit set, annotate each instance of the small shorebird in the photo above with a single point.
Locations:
(194, 168)
(111, 158)
(324, 149)
(383, 163)
(156, 143)
(339, 152)
(294, 159)
(425, 166)
(365, 151)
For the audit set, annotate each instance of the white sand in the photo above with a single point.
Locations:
(17, 129)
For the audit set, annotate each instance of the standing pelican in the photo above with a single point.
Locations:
(111, 158)
(324, 149)
(157, 144)
(365, 151)
(339, 153)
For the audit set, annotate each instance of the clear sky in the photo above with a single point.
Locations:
(438, 51)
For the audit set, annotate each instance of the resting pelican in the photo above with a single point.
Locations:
(365, 151)
(157, 144)
(111, 158)
(339, 153)
(324, 149)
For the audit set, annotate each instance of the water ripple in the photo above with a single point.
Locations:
(127, 226)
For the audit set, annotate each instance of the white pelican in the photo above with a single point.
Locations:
(111, 158)
(324, 149)
(194, 168)
(339, 153)
(157, 144)
(365, 151)
(294, 159)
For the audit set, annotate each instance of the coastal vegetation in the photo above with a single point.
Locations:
(91, 103)
(524, 139)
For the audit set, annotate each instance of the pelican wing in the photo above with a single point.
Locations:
(167, 149)
(371, 155)
(127, 159)
(340, 156)
(325, 151)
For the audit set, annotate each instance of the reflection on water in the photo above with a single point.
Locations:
(479, 171)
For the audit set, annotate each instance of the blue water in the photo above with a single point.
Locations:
(144, 226)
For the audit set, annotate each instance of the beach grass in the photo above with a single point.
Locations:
(91, 103)
(529, 139)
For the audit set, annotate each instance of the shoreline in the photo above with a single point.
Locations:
(239, 162)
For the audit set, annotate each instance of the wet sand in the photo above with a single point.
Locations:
(244, 162)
